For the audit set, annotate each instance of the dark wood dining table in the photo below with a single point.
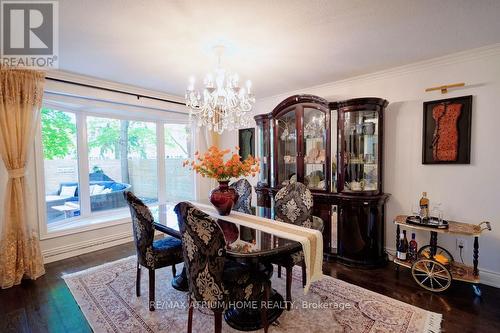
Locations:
(252, 247)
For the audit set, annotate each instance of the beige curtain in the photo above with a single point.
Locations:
(20, 101)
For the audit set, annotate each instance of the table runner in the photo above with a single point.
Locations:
(310, 239)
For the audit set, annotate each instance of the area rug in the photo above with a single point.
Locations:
(106, 295)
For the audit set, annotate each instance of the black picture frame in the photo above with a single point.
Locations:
(246, 142)
(464, 124)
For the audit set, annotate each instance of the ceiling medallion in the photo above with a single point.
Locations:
(223, 104)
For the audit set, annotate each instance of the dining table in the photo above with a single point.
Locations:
(245, 245)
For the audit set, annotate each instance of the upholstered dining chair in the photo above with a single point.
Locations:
(213, 279)
(244, 190)
(293, 204)
(244, 204)
(151, 254)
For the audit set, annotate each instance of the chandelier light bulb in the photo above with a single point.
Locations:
(192, 80)
(249, 85)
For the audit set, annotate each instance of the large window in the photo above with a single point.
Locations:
(90, 160)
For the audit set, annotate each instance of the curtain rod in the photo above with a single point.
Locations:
(113, 90)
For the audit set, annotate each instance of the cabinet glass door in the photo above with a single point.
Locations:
(315, 149)
(264, 145)
(287, 148)
(361, 130)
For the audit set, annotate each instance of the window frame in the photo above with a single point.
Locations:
(87, 220)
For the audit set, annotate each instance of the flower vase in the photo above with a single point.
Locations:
(223, 197)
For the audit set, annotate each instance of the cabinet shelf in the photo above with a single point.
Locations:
(363, 163)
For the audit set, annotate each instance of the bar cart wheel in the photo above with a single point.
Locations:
(439, 250)
(431, 275)
(477, 290)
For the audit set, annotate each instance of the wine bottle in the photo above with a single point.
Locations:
(405, 244)
(424, 206)
(402, 249)
(413, 248)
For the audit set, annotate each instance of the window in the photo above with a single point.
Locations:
(61, 164)
(122, 156)
(90, 159)
(178, 147)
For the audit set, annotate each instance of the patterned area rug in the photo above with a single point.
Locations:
(106, 295)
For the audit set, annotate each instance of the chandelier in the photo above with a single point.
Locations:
(223, 104)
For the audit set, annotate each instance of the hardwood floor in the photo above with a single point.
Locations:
(46, 305)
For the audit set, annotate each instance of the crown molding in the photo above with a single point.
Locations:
(450, 59)
(93, 81)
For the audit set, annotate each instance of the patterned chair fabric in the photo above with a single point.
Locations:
(244, 190)
(212, 278)
(203, 248)
(293, 204)
(151, 254)
(243, 205)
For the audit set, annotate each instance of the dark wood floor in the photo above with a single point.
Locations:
(46, 305)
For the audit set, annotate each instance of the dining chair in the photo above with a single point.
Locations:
(244, 190)
(293, 204)
(151, 254)
(214, 280)
(243, 205)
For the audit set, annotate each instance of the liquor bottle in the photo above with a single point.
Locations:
(412, 252)
(402, 246)
(424, 206)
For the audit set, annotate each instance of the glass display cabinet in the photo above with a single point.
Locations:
(302, 140)
(335, 149)
(360, 149)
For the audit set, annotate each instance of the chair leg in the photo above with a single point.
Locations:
(279, 271)
(263, 313)
(151, 289)
(218, 321)
(138, 281)
(190, 316)
(288, 287)
(304, 274)
(174, 271)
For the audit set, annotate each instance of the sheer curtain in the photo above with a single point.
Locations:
(21, 94)
(206, 139)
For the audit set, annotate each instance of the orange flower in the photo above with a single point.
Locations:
(212, 164)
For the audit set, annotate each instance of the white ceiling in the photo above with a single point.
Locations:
(282, 45)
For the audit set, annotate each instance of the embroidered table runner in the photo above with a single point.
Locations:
(311, 240)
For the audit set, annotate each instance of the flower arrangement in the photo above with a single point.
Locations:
(212, 164)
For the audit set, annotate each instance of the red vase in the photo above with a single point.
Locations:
(223, 198)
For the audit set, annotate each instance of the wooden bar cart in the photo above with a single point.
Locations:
(434, 275)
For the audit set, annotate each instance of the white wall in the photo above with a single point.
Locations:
(55, 248)
(468, 193)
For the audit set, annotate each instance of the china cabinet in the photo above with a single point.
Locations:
(335, 149)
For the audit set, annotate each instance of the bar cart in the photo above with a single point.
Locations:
(437, 275)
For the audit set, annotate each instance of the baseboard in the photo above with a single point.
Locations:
(87, 246)
(490, 278)
(75, 249)
(487, 277)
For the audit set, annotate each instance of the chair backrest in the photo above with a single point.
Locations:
(244, 190)
(142, 223)
(293, 204)
(203, 248)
